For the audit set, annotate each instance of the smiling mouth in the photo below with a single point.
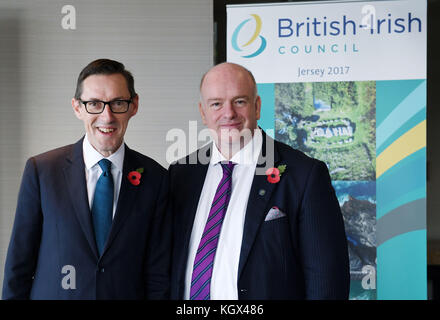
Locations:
(106, 130)
(230, 125)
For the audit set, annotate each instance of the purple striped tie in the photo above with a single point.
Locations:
(204, 260)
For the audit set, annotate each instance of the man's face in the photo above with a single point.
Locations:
(105, 130)
(228, 103)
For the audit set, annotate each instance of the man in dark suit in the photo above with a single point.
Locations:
(253, 218)
(91, 218)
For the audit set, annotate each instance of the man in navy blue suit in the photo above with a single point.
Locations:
(253, 218)
(91, 219)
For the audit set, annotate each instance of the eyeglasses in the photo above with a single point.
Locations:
(116, 106)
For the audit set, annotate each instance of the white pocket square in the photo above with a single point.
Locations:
(274, 213)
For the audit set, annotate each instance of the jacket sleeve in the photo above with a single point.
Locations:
(323, 243)
(24, 245)
(159, 248)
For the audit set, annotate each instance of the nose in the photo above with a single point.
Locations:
(229, 110)
(107, 114)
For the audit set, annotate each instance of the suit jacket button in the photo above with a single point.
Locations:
(101, 270)
(243, 291)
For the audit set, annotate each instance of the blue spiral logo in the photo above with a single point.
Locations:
(256, 35)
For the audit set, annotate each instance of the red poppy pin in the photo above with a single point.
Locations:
(274, 174)
(135, 176)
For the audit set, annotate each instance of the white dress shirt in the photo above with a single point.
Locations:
(93, 170)
(225, 269)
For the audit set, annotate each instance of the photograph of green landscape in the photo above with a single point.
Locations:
(336, 122)
(331, 121)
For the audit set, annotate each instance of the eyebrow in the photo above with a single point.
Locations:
(241, 97)
(234, 98)
(213, 99)
(117, 98)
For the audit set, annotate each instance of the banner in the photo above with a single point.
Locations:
(345, 82)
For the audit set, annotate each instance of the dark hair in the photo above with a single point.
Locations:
(105, 66)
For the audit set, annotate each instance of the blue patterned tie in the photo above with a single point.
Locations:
(102, 208)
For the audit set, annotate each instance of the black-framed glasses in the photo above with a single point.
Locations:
(97, 106)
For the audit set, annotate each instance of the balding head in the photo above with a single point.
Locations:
(233, 67)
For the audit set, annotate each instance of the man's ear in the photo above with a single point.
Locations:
(135, 102)
(76, 105)
(202, 113)
(258, 107)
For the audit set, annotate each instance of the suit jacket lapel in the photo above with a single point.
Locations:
(259, 197)
(193, 186)
(127, 197)
(196, 185)
(74, 173)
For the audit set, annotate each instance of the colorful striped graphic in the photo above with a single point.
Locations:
(401, 189)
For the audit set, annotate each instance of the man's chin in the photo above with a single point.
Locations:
(237, 138)
(232, 144)
(106, 148)
(235, 135)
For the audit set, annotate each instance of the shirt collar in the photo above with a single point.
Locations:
(248, 155)
(92, 157)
